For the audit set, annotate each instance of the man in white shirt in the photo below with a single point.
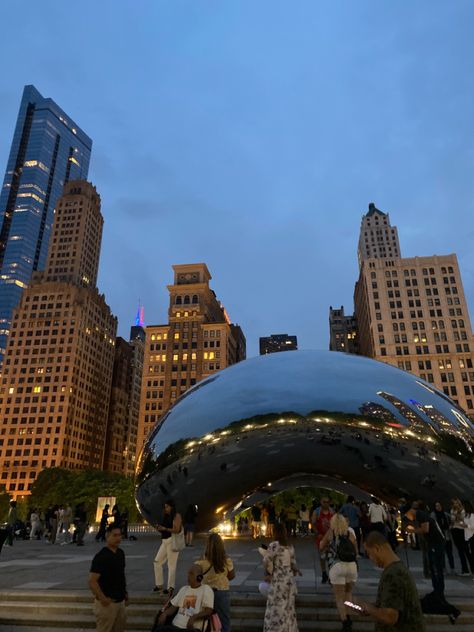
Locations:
(191, 606)
(378, 516)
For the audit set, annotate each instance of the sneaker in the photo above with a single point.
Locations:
(157, 589)
(168, 591)
(464, 574)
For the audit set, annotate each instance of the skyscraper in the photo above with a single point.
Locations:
(48, 150)
(412, 312)
(58, 364)
(122, 427)
(278, 342)
(198, 340)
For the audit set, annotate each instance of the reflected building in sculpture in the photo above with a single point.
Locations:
(332, 418)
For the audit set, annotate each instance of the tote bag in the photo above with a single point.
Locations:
(177, 541)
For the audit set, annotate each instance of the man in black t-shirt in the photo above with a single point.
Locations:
(108, 584)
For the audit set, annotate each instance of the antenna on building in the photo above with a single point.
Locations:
(140, 317)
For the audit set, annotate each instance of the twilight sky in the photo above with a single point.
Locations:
(252, 134)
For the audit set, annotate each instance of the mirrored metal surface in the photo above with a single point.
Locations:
(317, 415)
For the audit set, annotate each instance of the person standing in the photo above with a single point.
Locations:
(190, 516)
(341, 545)
(172, 524)
(320, 521)
(80, 520)
(352, 512)
(291, 518)
(256, 521)
(108, 584)
(100, 537)
(457, 531)
(11, 523)
(444, 522)
(377, 516)
(280, 567)
(217, 572)
(421, 522)
(53, 524)
(35, 525)
(397, 607)
(271, 519)
(304, 518)
(469, 533)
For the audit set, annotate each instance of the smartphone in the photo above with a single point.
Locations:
(354, 606)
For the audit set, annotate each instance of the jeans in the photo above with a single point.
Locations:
(222, 608)
(460, 543)
(436, 564)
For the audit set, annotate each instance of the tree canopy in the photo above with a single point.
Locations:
(60, 486)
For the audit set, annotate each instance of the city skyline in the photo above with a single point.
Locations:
(262, 150)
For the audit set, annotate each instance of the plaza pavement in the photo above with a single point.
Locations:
(36, 566)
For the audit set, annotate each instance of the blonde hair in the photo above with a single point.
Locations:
(339, 525)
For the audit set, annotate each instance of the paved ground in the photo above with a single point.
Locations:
(37, 566)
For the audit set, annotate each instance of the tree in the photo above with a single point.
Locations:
(58, 486)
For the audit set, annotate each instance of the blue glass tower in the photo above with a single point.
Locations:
(48, 149)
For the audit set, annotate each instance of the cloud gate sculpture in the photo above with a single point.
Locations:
(341, 421)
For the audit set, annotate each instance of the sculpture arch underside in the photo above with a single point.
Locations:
(305, 418)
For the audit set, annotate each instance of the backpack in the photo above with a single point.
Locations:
(345, 550)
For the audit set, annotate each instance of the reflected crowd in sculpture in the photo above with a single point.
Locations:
(325, 416)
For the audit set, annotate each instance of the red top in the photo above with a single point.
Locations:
(322, 524)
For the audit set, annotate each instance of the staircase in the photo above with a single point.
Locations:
(61, 611)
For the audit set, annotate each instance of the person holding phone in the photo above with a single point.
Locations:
(397, 608)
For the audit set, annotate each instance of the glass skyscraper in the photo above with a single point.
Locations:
(48, 150)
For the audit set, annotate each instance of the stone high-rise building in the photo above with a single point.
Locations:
(197, 341)
(48, 150)
(122, 427)
(57, 370)
(343, 335)
(412, 312)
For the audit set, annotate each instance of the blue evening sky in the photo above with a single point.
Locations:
(252, 135)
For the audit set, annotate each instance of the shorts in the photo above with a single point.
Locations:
(342, 573)
(189, 527)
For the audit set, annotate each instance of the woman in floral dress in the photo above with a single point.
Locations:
(280, 567)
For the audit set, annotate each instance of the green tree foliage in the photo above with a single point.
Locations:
(4, 504)
(60, 486)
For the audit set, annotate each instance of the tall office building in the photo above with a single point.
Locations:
(412, 312)
(58, 364)
(197, 341)
(343, 334)
(278, 342)
(48, 150)
(122, 427)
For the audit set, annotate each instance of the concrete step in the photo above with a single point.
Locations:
(254, 625)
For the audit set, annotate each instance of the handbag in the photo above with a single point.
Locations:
(177, 541)
(216, 625)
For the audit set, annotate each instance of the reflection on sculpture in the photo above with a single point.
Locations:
(310, 413)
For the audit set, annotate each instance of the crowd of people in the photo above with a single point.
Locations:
(60, 524)
(342, 535)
